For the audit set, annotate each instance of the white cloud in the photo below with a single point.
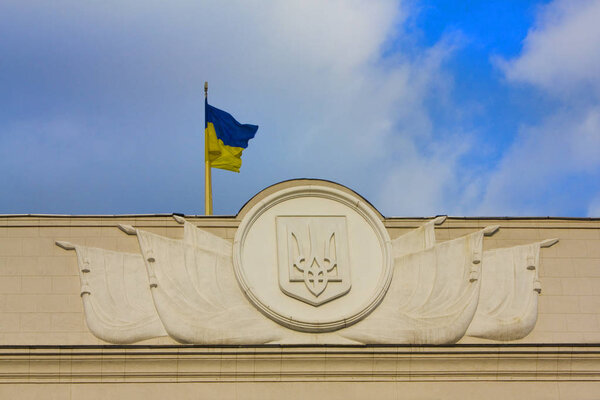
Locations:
(542, 156)
(560, 57)
(561, 53)
(424, 185)
(333, 105)
(311, 73)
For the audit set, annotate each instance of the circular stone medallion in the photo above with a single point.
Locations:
(313, 258)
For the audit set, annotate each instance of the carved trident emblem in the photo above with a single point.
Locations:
(317, 270)
(313, 257)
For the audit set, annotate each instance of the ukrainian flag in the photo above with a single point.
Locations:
(226, 138)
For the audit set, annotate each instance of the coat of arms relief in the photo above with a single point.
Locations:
(313, 257)
(287, 273)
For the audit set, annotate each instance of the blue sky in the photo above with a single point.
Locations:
(424, 107)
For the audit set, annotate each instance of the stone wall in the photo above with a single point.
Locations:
(46, 350)
(39, 283)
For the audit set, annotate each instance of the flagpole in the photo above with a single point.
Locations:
(207, 177)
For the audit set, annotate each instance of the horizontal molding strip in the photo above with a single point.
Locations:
(129, 364)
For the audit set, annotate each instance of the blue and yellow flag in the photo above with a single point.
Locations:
(226, 138)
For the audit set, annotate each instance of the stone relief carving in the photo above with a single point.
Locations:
(115, 292)
(432, 298)
(195, 292)
(335, 277)
(507, 308)
(314, 264)
(363, 253)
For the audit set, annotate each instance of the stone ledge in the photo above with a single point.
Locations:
(130, 364)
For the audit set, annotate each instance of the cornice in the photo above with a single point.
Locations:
(128, 364)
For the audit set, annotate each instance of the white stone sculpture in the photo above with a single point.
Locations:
(509, 292)
(261, 257)
(432, 298)
(196, 294)
(416, 240)
(313, 257)
(310, 264)
(116, 295)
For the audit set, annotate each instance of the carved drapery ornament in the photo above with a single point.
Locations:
(331, 275)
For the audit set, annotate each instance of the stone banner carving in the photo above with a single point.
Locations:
(432, 298)
(509, 291)
(116, 295)
(195, 293)
(310, 264)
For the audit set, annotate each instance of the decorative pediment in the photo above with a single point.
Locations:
(310, 264)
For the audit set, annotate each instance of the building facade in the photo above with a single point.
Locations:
(310, 292)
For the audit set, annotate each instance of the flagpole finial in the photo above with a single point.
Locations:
(205, 89)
